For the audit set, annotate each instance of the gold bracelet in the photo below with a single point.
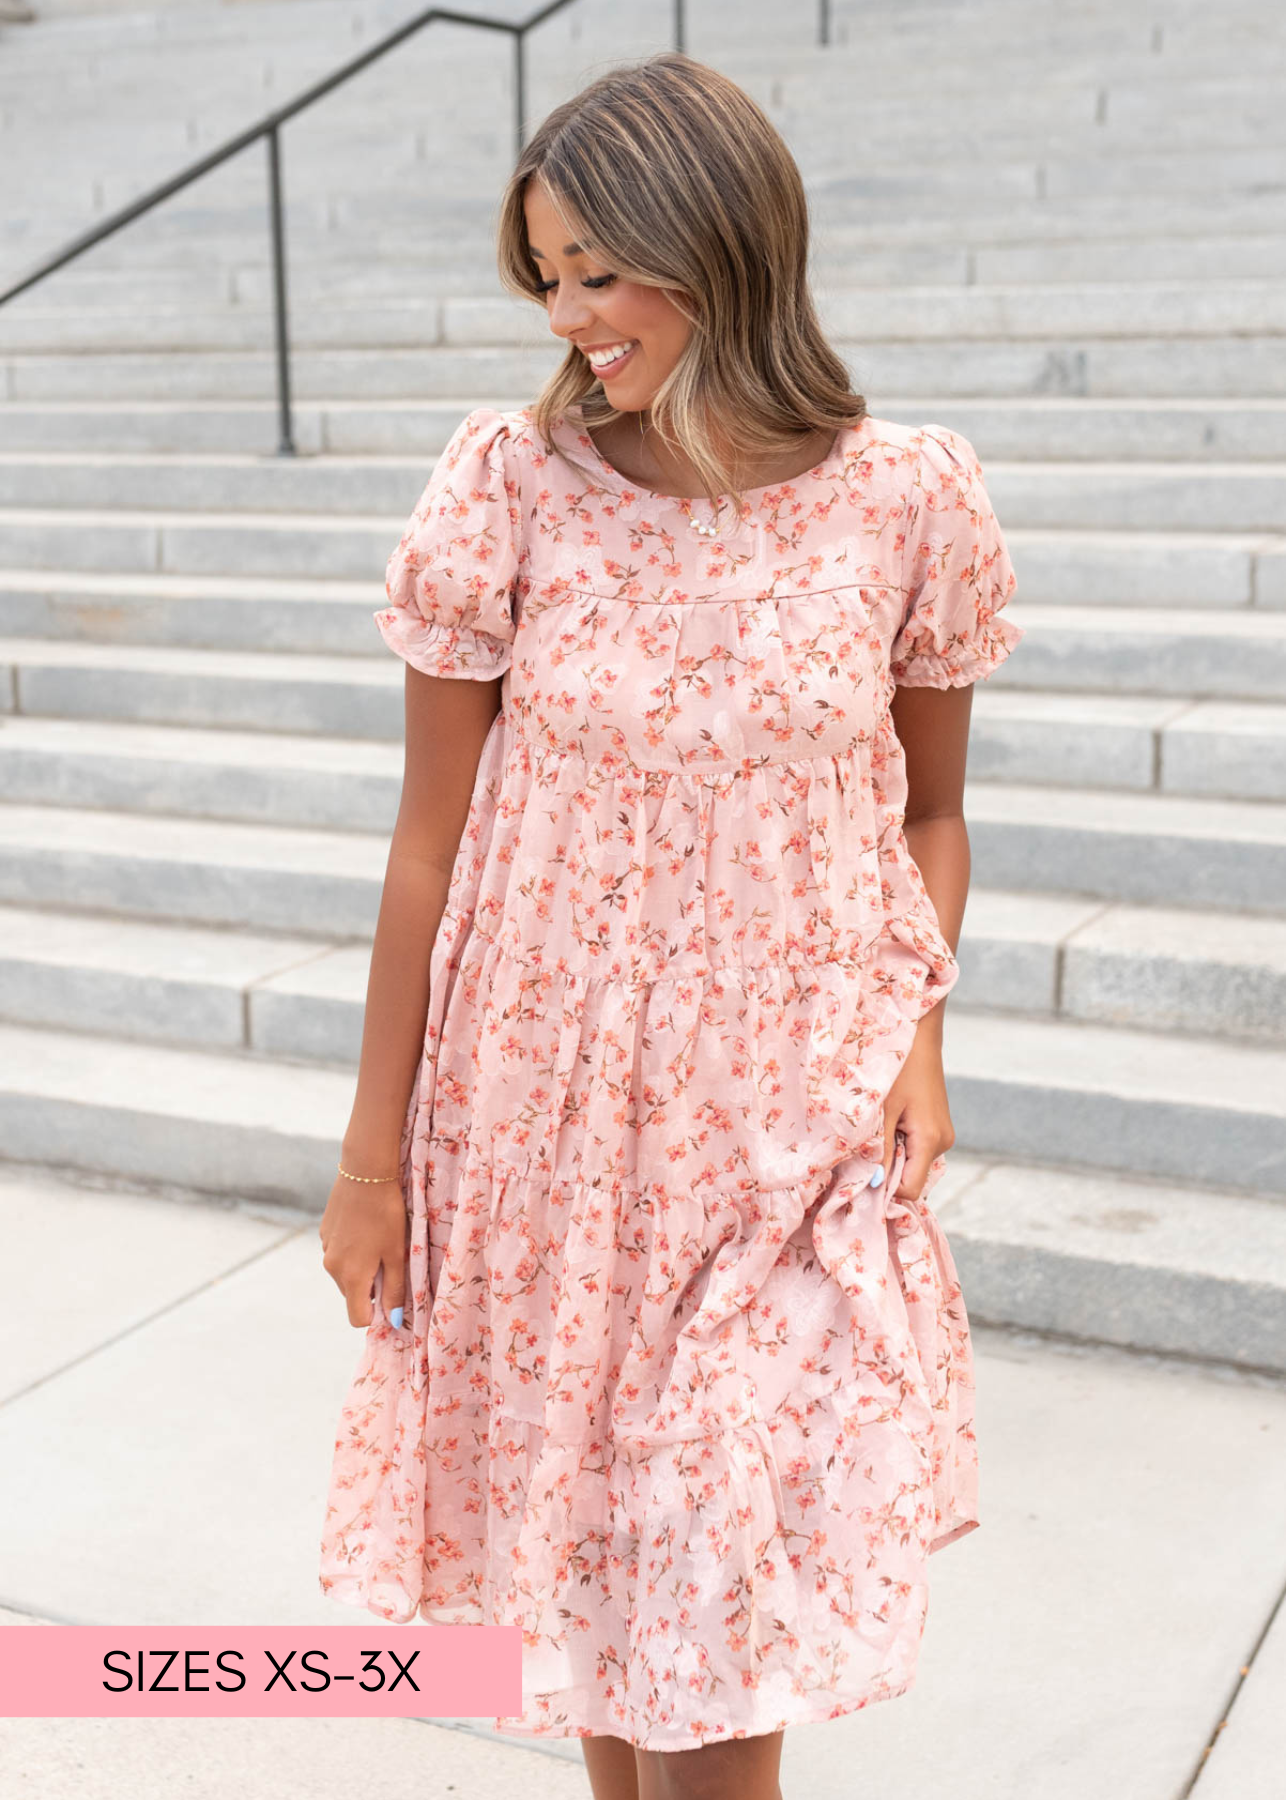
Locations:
(344, 1171)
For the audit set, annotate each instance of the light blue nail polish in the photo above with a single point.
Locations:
(877, 1177)
(395, 1317)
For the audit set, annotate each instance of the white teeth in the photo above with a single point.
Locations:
(610, 355)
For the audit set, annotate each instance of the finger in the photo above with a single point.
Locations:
(361, 1304)
(395, 1296)
(882, 1173)
(915, 1172)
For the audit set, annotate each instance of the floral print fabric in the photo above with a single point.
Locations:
(678, 1392)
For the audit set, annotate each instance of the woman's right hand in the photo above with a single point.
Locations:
(363, 1227)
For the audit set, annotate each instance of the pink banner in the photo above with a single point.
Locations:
(259, 1671)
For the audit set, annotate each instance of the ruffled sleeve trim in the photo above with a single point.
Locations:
(957, 572)
(451, 581)
(444, 650)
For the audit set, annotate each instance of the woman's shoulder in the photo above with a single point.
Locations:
(913, 447)
(503, 438)
(511, 428)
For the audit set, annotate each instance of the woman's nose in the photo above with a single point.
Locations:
(568, 315)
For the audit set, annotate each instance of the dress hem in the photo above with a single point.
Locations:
(813, 1716)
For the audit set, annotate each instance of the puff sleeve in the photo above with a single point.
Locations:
(956, 572)
(450, 582)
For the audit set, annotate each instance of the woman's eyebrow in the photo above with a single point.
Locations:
(568, 250)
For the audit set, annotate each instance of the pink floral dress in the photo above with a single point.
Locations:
(678, 1392)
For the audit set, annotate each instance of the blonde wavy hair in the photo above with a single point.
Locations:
(670, 175)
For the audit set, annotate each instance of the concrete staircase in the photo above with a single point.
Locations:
(1063, 235)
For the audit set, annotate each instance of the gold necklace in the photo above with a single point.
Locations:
(713, 529)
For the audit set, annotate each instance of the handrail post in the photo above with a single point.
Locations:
(679, 26)
(286, 440)
(824, 21)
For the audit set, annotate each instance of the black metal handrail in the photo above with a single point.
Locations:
(269, 128)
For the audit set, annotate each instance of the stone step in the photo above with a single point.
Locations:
(137, 35)
(1139, 568)
(1213, 653)
(335, 222)
(1192, 1110)
(1207, 973)
(923, 167)
(1100, 1102)
(899, 55)
(912, 62)
(840, 230)
(167, 685)
(1019, 430)
(220, 772)
(1120, 495)
(1046, 123)
(1214, 367)
(1211, 974)
(217, 1123)
(1187, 244)
(1145, 848)
(1139, 496)
(430, 116)
(310, 883)
(198, 543)
(166, 242)
(429, 103)
(243, 280)
(81, 713)
(1244, 256)
(845, 223)
(1131, 742)
(205, 23)
(1208, 656)
(314, 616)
(1152, 849)
(183, 232)
(918, 315)
(1146, 1265)
(334, 169)
(1102, 115)
(1047, 173)
(1196, 568)
(270, 995)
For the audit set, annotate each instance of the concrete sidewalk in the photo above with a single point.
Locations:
(170, 1378)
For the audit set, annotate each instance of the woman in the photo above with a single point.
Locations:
(651, 1090)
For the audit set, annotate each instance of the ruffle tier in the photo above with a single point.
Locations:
(673, 1440)
(633, 876)
(746, 1077)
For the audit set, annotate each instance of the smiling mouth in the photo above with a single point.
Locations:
(618, 362)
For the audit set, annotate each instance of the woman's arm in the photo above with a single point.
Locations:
(447, 721)
(932, 725)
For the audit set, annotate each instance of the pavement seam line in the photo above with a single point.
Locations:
(1243, 1673)
(149, 1318)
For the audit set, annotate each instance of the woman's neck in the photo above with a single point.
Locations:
(636, 452)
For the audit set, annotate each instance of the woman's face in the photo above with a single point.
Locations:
(595, 309)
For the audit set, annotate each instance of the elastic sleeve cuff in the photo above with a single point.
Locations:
(443, 650)
(961, 664)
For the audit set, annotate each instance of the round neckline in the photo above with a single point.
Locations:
(619, 484)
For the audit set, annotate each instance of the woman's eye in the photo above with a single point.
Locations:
(594, 281)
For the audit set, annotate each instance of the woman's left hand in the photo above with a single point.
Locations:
(916, 1105)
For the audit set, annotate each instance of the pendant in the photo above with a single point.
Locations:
(712, 530)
